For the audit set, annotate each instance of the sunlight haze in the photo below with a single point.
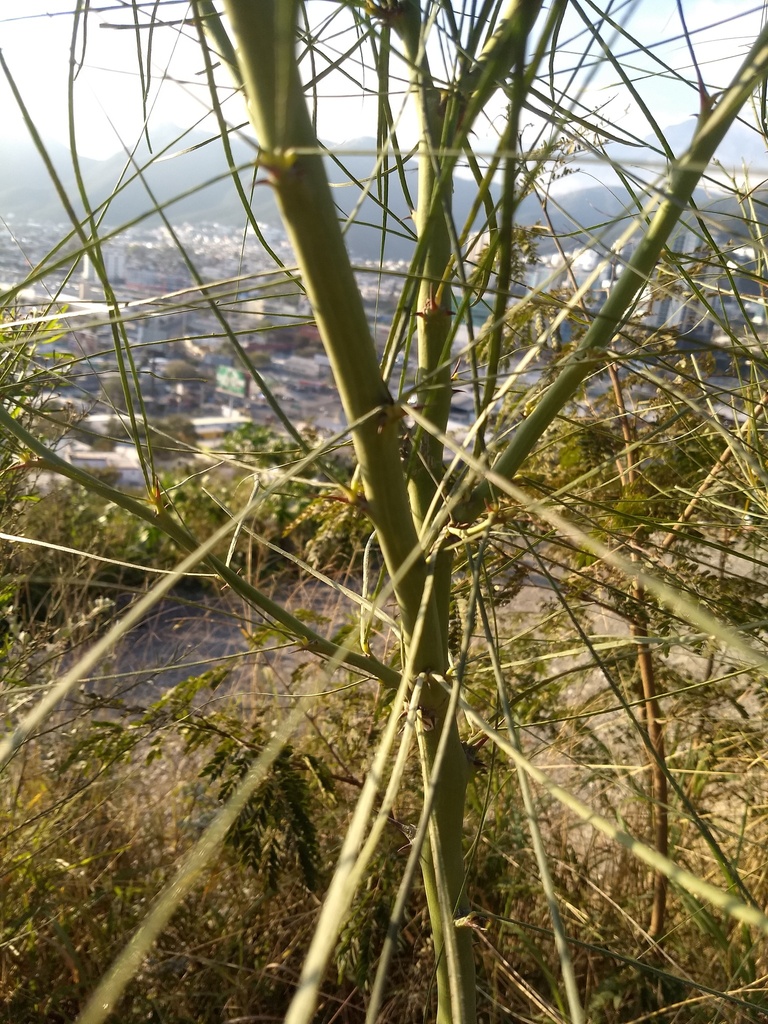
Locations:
(110, 113)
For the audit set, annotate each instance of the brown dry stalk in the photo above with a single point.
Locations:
(638, 628)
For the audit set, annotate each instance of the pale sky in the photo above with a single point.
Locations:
(35, 41)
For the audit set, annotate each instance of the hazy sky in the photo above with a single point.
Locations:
(35, 40)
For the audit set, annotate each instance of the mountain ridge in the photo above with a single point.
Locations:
(188, 174)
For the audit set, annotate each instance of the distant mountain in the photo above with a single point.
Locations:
(26, 189)
(744, 148)
(190, 177)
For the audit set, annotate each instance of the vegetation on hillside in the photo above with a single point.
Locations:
(466, 721)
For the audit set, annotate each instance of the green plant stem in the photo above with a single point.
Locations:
(291, 156)
(444, 768)
(434, 299)
(443, 759)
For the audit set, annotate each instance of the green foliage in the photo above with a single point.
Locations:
(578, 565)
(276, 829)
(336, 532)
(364, 932)
(90, 838)
(258, 445)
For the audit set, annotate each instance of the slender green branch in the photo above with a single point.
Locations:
(157, 516)
(588, 355)
(502, 51)
(678, 875)
(209, 18)
(114, 982)
(558, 928)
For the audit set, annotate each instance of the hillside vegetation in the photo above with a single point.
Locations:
(382, 615)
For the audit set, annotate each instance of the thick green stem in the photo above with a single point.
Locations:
(443, 868)
(290, 154)
(434, 299)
